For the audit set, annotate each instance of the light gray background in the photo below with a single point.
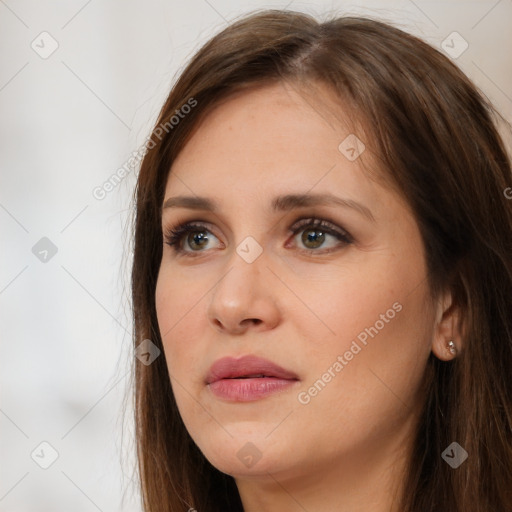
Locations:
(67, 123)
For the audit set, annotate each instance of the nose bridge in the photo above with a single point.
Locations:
(239, 286)
(243, 295)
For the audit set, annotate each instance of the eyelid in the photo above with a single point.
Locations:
(320, 222)
(174, 235)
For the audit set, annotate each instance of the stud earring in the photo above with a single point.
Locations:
(452, 348)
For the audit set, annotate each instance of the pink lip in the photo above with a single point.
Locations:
(228, 378)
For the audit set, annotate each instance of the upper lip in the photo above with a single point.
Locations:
(230, 368)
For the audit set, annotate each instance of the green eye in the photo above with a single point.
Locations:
(316, 236)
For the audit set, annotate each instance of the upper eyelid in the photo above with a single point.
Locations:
(296, 226)
(317, 222)
(301, 222)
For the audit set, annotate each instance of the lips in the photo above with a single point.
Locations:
(248, 379)
(247, 367)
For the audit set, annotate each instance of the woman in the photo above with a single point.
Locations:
(323, 253)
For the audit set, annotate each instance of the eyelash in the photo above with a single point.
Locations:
(174, 236)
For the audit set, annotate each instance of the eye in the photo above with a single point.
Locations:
(315, 234)
(195, 236)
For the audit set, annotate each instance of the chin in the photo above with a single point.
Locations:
(244, 455)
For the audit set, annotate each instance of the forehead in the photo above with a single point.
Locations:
(274, 139)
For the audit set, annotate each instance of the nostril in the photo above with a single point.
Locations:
(249, 321)
(238, 327)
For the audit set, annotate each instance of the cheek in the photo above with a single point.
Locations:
(374, 363)
(362, 385)
(177, 297)
(177, 307)
(379, 322)
(338, 304)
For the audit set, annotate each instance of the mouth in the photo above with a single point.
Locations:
(251, 376)
(247, 367)
(247, 378)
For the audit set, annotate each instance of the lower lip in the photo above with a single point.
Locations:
(247, 390)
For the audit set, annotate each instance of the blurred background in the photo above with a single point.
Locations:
(81, 84)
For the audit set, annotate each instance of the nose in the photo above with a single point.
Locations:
(243, 298)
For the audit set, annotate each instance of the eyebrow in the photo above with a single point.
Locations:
(280, 203)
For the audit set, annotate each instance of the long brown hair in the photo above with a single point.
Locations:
(435, 137)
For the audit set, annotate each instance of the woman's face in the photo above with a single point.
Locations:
(302, 260)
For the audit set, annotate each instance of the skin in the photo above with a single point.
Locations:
(344, 450)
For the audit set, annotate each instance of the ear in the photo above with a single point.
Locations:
(446, 328)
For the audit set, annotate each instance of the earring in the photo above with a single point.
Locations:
(452, 348)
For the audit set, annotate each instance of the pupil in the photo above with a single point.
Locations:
(313, 237)
(196, 239)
